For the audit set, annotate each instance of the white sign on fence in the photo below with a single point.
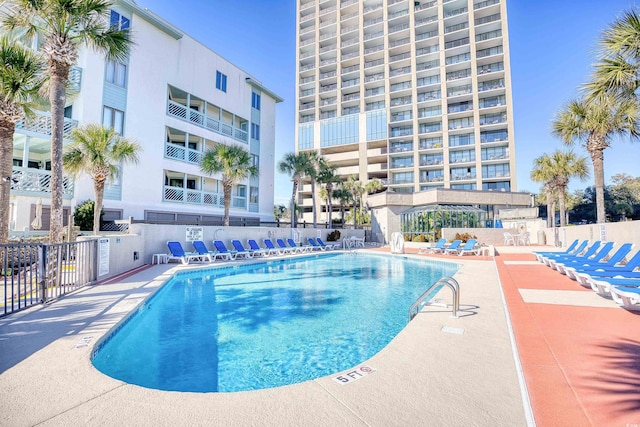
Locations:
(103, 257)
(194, 233)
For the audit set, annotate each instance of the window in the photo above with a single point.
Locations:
(221, 81)
(253, 194)
(255, 100)
(112, 118)
(305, 136)
(255, 160)
(116, 73)
(119, 21)
(255, 131)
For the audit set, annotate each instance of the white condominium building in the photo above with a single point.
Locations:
(176, 98)
(415, 93)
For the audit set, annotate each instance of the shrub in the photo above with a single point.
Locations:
(419, 238)
(464, 237)
(334, 236)
(83, 215)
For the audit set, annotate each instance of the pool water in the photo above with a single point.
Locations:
(269, 324)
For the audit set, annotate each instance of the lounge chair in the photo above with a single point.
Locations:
(602, 252)
(240, 250)
(222, 252)
(316, 246)
(297, 248)
(256, 249)
(509, 239)
(572, 271)
(179, 254)
(453, 247)
(572, 246)
(581, 257)
(629, 297)
(271, 247)
(546, 259)
(202, 250)
(470, 248)
(439, 247)
(284, 248)
(603, 285)
(331, 246)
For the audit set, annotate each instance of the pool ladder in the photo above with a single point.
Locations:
(455, 289)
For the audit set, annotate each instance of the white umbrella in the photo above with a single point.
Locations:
(36, 224)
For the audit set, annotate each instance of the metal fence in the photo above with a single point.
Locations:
(38, 273)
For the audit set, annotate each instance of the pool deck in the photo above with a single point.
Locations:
(576, 352)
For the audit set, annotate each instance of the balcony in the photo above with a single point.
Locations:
(37, 182)
(194, 197)
(182, 112)
(40, 124)
(181, 153)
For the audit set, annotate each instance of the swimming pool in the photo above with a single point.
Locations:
(268, 324)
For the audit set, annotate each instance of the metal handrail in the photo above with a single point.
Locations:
(455, 289)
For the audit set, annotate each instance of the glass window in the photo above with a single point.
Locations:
(116, 73)
(255, 160)
(253, 194)
(255, 131)
(119, 21)
(112, 118)
(255, 100)
(305, 136)
(343, 130)
(221, 81)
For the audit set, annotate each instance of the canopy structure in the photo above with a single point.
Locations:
(430, 219)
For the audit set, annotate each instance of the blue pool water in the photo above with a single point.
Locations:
(266, 325)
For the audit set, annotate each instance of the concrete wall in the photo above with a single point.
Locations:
(619, 232)
(495, 236)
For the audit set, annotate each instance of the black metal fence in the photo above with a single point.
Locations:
(37, 273)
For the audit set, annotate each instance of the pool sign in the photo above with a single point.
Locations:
(355, 374)
(194, 233)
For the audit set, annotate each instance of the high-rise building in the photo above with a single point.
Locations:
(177, 98)
(415, 93)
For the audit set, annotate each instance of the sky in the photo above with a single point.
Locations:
(553, 45)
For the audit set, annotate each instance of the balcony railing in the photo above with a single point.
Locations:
(28, 180)
(180, 111)
(41, 124)
(195, 197)
(178, 152)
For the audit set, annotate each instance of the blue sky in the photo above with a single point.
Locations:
(553, 44)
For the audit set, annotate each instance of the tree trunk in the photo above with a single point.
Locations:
(293, 202)
(553, 214)
(561, 205)
(342, 212)
(226, 189)
(330, 206)
(98, 192)
(597, 157)
(549, 203)
(6, 170)
(59, 74)
(313, 202)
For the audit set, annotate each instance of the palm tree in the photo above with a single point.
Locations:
(543, 172)
(98, 152)
(296, 165)
(235, 164)
(595, 122)
(618, 69)
(327, 176)
(64, 26)
(344, 196)
(356, 189)
(313, 166)
(373, 186)
(20, 80)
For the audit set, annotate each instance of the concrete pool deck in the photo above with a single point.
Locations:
(430, 374)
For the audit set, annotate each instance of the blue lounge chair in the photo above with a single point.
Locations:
(202, 250)
(576, 251)
(315, 245)
(571, 271)
(439, 247)
(602, 285)
(284, 248)
(222, 252)
(469, 248)
(453, 247)
(572, 246)
(271, 247)
(616, 270)
(175, 248)
(602, 252)
(256, 249)
(298, 248)
(240, 250)
(581, 257)
(328, 245)
(629, 297)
